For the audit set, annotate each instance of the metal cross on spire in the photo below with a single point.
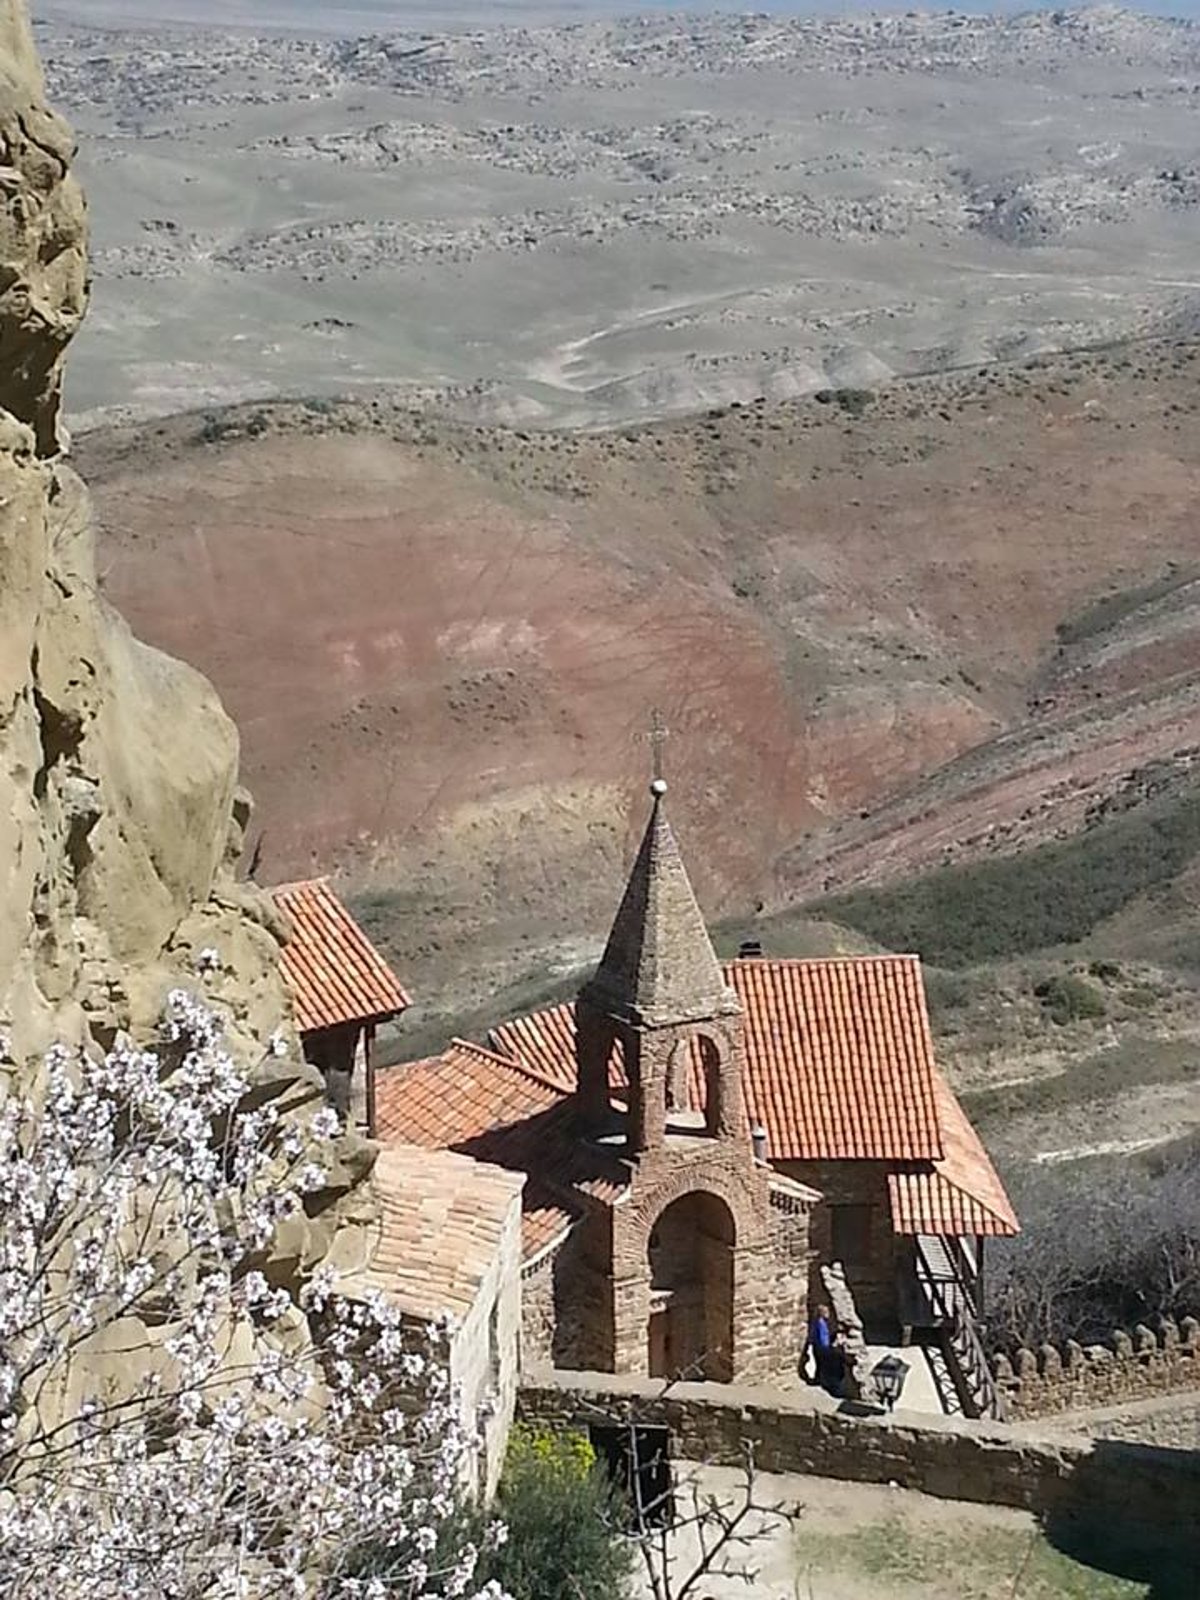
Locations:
(657, 738)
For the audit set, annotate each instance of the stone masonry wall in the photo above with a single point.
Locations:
(1172, 1421)
(1130, 1366)
(873, 1278)
(485, 1353)
(1138, 1489)
(537, 1314)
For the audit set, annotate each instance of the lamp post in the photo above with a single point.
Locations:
(888, 1377)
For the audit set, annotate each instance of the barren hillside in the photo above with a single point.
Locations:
(620, 218)
(884, 632)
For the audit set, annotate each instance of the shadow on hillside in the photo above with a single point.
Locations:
(1134, 1512)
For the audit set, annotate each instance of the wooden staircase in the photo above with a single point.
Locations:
(958, 1360)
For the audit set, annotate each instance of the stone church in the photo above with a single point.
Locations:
(699, 1140)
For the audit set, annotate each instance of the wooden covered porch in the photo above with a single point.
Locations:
(942, 1228)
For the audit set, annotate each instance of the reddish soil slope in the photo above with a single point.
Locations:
(442, 645)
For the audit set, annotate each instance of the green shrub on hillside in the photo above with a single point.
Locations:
(1055, 894)
(1066, 998)
(946, 992)
(852, 401)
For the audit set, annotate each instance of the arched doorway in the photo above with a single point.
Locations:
(691, 1289)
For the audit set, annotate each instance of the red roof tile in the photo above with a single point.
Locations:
(489, 1106)
(451, 1099)
(839, 1058)
(442, 1219)
(332, 969)
(962, 1193)
(839, 1066)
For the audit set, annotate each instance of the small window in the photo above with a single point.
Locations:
(494, 1344)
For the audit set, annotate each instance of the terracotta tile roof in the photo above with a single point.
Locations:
(543, 1227)
(544, 1041)
(332, 969)
(839, 1058)
(442, 1220)
(489, 1106)
(839, 1066)
(960, 1194)
(456, 1097)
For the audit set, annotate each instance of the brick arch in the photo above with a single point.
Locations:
(705, 1050)
(690, 1260)
(649, 1207)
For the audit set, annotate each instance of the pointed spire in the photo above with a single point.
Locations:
(659, 965)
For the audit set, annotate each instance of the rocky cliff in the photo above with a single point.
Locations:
(120, 813)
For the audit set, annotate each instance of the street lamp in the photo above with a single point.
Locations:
(888, 1377)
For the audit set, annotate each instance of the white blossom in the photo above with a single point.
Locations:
(261, 1444)
(326, 1124)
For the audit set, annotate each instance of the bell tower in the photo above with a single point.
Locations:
(660, 994)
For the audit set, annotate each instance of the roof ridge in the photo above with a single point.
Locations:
(512, 1062)
(934, 1168)
(977, 1199)
(888, 956)
(295, 883)
(945, 1098)
(458, 1042)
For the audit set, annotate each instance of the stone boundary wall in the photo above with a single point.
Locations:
(1128, 1366)
(1145, 1490)
(1170, 1420)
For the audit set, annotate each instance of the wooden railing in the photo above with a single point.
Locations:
(946, 1276)
(968, 1362)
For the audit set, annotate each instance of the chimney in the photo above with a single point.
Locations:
(750, 950)
(758, 1142)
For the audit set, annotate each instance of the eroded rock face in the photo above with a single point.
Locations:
(43, 236)
(120, 816)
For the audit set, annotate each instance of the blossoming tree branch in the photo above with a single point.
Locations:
(174, 1423)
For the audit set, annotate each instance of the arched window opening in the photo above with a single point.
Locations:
(694, 1086)
(600, 1076)
(678, 1073)
(710, 1074)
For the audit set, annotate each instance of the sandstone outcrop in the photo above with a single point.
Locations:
(121, 818)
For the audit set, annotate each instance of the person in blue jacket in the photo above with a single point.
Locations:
(820, 1342)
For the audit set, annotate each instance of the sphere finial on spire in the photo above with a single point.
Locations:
(658, 788)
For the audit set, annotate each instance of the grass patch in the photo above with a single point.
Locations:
(981, 1563)
(1053, 895)
(948, 993)
(425, 1031)
(789, 937)
(1099, 1076)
